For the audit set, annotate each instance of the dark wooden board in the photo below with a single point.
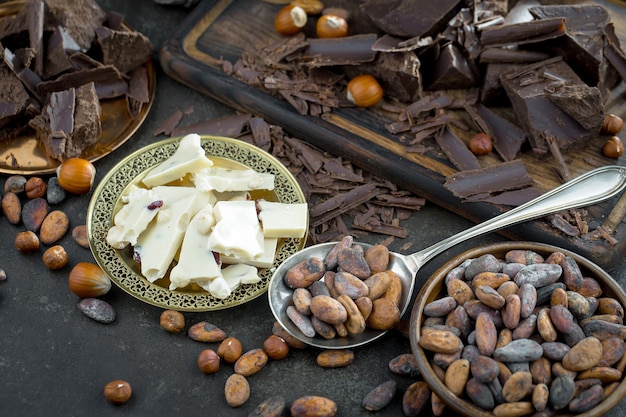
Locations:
(221, 29)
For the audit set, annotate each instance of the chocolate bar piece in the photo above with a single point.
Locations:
(349, 50)
(55, 124)
(57, 60)
(451, 70)
(523, 33)
(541, 118)
(490, 180)
(107, 79)
(411, 18)
(507, 137)
(456, 150)
(80, 18)
(13, 96)
(123, 49)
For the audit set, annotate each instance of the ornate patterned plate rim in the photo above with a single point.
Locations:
(106, 197)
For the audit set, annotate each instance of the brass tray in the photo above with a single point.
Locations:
(119, 264)
(24, 156)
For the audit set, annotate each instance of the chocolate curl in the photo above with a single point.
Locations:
(349, 50)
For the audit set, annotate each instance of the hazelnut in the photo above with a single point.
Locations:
(275, 347)
(311, 7)
(612, 124)
(118, 391)
(480, 144)
(230, 349)
(27, 241)
(331, 26)
(76, 175)
(172, 321)
(35, 187)
(55, 257)
(364, 91)
(88, 280)
(613, 147)
(15, 184)
(208, 361)
(290, 20)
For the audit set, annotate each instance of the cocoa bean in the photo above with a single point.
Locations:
(97, 309)
(491, 279)
(572, 275)
(539, 275)
(559, 370)
(335, 358)
(540, 397)
(555, 350)
(480, 394)
(459, 290)
(279, 330)
(484, 368)
(206, 332)
(509, 287)
(603, 329)
(505, 336)
(236, 390)
(379, 397)
(12, 207)
(404, 364)
(313, 406)
(578, 305)
(612, 351)
(302, 322)
(524, 257)
(355, 323)
(544, 293)
(561, 318)
(394, 291)
(328, 309)
(528, 299)
(541, 370)
(458, 318)
(511, 312)
(561, 392)
(443, 341)
(590, 288)
(251, 362)
(385, 314)
(583, 355)
(377, 257)
(365, 305)
(586, 400)
(350, 285)
(377, 284)
(301, 298)
(440, 307)
(520, 408)
(15, 184)
(415, 397)
(437, 406)
(517, 386)
(486, 334)
(33, 213)
(79, 235)
(352, 260)
(330, 260)
(604, 373)
(484, 263)
(271, 407)
(608, 305)
(318, 288)
(327, 331)
(489, 296)
(305, 273)
(521, 350)
(457, 375)
(545, 327)
(526, 328)
(53, 227)
(559, 297)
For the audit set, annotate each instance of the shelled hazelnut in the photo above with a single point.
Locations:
(612, 124)
(364, 91)
(331, 26)
(55, 257)
(613, 147)
(118, 391)
(480, 144)
(290, 20)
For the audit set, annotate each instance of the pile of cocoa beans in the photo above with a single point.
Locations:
(525, 335)
(349, 290)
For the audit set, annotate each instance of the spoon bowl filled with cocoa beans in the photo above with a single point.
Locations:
(345, 294)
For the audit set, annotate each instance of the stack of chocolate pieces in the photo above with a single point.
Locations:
(58, 60)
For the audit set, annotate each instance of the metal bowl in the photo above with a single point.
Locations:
(435, 288)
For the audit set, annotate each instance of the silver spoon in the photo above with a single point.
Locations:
(590, 188)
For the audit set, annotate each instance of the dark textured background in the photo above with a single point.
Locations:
(54, 361)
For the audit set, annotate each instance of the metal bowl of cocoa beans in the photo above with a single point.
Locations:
(521, 328)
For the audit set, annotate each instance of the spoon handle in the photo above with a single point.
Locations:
(592, 187)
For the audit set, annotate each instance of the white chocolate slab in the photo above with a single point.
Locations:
(221, 179)
(189, 157)
(283, 220)
(265, 260)
(237, 231)
(133, 218)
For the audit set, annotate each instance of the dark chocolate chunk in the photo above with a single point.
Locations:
(529, 88)
(107, 79)
(349, 50)
(35, 32)
(57, 58)
(492, 179)
(508, 55)
(55, 124)
(13, 96)
(456, 150)
(79, 18)
(87, 127)
(124, 49)
(523, 33)
(584, 104)
(450, 70)
(491, 91)
(613, 51)
(411, 18)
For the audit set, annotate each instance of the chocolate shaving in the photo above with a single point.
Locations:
(168, 125)
(457, 151)
(349, 50)
(523, 33)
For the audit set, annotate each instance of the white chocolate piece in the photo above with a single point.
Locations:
(196, 263)
(265, 260)
(138, 211)
(221, 179)
(218, 288)
(237, 231)
(158, 245)
(241, 273)
(189, 157)
(282, 219)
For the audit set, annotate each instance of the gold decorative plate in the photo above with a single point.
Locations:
(119, 264)
(24, 156)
